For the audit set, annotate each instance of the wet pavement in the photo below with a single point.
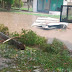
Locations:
(16, 22)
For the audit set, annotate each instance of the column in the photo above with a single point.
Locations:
(34, 5)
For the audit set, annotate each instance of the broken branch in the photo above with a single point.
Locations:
(18, 44)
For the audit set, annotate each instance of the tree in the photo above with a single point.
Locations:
(18, 3)
(8, 3)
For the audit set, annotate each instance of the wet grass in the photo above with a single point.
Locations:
(26, 60)
(5, 10)
(38, 54)
(30, 13)
(40, 14)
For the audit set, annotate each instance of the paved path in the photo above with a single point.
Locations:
(16, 22)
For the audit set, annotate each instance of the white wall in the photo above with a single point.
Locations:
(67, 2)
(64, 2)
(34, 5)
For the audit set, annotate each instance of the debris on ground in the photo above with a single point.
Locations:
(49, 23)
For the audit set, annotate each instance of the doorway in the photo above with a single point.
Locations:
(43, 6)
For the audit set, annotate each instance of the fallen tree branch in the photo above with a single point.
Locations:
(11, 41)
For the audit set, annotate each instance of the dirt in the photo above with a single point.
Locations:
(16, 22)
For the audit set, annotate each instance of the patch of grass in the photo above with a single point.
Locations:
(25, 60)
(11, 10)
(30, 9)
(7, 51)
(23, 8)
(56, 47)
(40, 14)
(29, 13)
(49, 58)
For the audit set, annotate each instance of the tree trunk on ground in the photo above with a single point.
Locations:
(18, 44)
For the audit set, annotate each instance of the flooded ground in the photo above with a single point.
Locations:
(16, 22)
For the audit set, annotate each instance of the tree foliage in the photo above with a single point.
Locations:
(18, 3)
(8, 3)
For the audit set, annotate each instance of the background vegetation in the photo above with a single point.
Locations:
(7, 4)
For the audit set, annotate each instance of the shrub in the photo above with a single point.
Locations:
(30, 38)
(14, 34)
(4, 29)
(16, 3)
(40, 40)
(56, 47)
(46, 47)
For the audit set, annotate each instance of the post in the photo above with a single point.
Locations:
(34, 5)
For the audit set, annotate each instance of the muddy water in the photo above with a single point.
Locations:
(16, 22)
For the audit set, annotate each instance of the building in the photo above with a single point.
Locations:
(49, 6)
